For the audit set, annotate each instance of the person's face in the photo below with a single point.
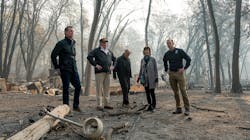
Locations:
(126, 55)
(104, 44)
(69, 33)
(147, 52)
(170, 44)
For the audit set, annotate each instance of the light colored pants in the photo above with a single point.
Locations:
(177, 81)
(102, 88)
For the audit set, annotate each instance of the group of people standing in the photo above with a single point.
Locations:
(104, 63)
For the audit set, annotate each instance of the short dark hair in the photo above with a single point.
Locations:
(147, 48)
(67, 28)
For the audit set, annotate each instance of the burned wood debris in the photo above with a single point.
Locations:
(51, 86)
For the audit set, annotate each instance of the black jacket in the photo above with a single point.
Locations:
(123, 67)
(97, 56)
(175, 57)
(65, 49)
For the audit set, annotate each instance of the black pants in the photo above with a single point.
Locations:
(151, 96)
(125, 85)
(73, 78)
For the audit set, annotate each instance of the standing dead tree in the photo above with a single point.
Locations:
(236, 86)
(119, 30)
(106, 18)
(10, 25)
(34, 36)
(217, 48)
(147, 22)
(207, 44)
(95, 22)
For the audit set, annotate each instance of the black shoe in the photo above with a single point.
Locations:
(126, 105)
(77, 109)
(100, 108)
(186, 113)
(108, 107)
(177, 111)
(154, 106)
(150, 108)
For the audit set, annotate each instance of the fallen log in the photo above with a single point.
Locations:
(244, 128)
(42, 126)
(125, 113)
(132, 112)
(208, 109)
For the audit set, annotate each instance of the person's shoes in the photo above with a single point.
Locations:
(126, 105)
(77, 109)
(186, 113)
(177, 111)
(100, 108)
(108, 107)
(150, 108)
(154, 106)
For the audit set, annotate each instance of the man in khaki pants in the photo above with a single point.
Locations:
(176, 70)
(103, 60)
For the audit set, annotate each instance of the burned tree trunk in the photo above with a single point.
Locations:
(90, 45)
(147, 22)
(208, 47)
(236, 86)
(217, 48)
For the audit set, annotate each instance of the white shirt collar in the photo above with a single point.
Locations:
(106, 51)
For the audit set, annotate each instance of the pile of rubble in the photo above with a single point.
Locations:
(52, 86)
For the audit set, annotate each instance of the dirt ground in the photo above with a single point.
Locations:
(228, 118)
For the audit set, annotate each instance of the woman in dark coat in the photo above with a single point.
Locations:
(148, 77)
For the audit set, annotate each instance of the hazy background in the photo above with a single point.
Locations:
(124, 26)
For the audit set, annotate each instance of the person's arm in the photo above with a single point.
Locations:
(91, 57)
(156, 71)
(130, 72)
(165, 61)
(55, 52)
(112, 68)
(113, 59)
(140, 73)
(187, 58)
(116, 68)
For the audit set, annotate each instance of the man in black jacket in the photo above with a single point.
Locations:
(174, 56)
(103, 60)
(65, 50)
(123, 70)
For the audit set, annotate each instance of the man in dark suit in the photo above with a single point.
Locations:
(123, 70)
(65, 50)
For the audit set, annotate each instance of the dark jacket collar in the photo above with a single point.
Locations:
(173, 50)
(124, 57)
(70, 41)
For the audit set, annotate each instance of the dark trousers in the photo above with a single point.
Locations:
(73, 78)
(125, 85)
(151, 96)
